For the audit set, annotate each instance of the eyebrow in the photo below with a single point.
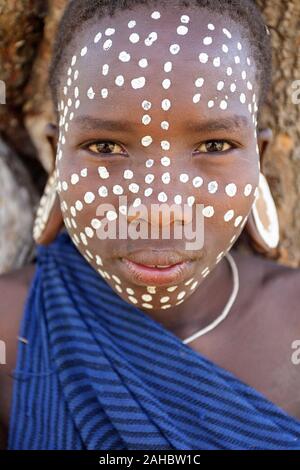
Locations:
(92, 123)
(230, 123)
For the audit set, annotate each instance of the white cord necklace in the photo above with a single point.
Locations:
(227, 307)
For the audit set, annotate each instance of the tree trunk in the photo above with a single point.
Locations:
(282, 165)
(26, 35)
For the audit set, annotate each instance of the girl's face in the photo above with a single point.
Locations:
(157, 106)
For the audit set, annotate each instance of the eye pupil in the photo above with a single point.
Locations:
(104, 147)
(214, 145)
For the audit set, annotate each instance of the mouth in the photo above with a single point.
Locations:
(161, 269)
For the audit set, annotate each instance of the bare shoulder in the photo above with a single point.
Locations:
(270, 330)
(14, 288)
(278, 285)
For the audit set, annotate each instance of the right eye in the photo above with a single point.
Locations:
(104, 148)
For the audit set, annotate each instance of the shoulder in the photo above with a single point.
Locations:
(269, 350)
(14, 288)
(277, 286)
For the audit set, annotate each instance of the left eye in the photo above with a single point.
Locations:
(211, 146)
(105, 147)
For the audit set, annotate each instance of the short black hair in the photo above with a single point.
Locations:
(243, 12)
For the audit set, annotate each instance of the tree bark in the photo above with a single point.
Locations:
(282, 115)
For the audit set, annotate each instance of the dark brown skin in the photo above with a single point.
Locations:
(254, 342)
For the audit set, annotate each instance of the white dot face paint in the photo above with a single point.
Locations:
(207, 40)
(147, 140)
(91, 93)
(155, 15)
(199, 82)
(247, 190)
(182, 30)
(143, 63)
(109, 31)
(149, 163)
(228, 216)
(196, 98)
(103, 173)
(184, 177)
(166, 83)
(149, 178)
(166, 178)
(174, 49)
(146, 105)
(117, 189)
(137, 74)
(89, 197)
(162, 197)
(103, 191)
(74, 178)
(138, 82)
(212, 187)
(168, 67)
(152, 37)
(119, 80)
(134, 38)
(197, 182)
(216, 61)
(97, 37)
(203, 57)
(166, 104)
(134, 188)
(231, 189)
(107, 44)
(124, 56)
(148, 192)
(165, 161)
(128, 174)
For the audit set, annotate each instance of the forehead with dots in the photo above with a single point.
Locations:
(200, 60)
(133, 68)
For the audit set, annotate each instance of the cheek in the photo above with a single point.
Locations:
(232, 194)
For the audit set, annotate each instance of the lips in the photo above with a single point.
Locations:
(156, 268)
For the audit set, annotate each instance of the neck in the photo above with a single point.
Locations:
(202, 307)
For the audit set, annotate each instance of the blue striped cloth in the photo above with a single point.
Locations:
(98, 373)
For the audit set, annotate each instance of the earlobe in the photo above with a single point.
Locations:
(49, 219)
(263, 225)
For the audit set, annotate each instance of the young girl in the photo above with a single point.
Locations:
(131, 339)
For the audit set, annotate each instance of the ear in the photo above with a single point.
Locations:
(49, 220)
(51, 133)
(262, 225)
(264, 138)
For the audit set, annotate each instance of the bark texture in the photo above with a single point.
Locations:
(282, 115)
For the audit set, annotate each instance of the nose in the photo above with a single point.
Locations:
(160, 215)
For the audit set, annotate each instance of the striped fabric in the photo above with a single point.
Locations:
(98, 373)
